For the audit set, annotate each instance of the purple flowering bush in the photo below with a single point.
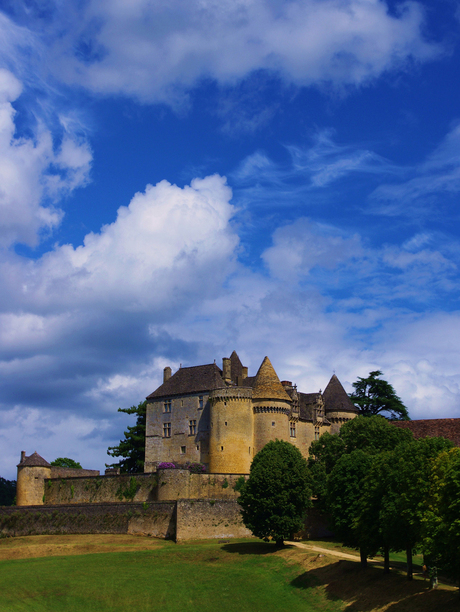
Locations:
(197, 468)
(165, 464)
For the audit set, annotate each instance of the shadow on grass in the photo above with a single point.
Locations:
(368, 589)
(252, 548)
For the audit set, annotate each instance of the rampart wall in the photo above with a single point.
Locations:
(165, 485)
(203, 519)
(180, 520)
(157, 519)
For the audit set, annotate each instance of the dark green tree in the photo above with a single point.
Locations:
(277, 493)
(132, 448)
(396, 493)
(7, 492)
(442, 522)
(66, 463)
(369, 434)
(372, 396)
(344, 492)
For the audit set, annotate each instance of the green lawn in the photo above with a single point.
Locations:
(202, 577)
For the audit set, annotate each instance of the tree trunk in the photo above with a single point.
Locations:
(386, 562)
(363, 556)
(409, 563)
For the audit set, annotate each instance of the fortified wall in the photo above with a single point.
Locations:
(168, 503)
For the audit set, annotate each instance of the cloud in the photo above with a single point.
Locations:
(158, 52)
(34, 174)
(429, 185)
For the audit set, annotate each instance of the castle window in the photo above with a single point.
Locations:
(225, 423)
(316, 433)
(192, 427)
(167, 405)
(182, 403)
(182, 450)
(198, 447)
(200, 401)
(292, 432)
(221, 448)
(273, 423)
(166, 430)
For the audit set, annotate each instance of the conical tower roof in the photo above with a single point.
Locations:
(267, 385)
(336, 399)
(34, 460)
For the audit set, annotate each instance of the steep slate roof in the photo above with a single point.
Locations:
(236, 366)
(267, 385)
(433, 428)
(34, 460)
(249, 381)
(307, 402)
(335, 397)
(191, 380)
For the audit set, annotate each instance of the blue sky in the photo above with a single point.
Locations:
(182, 179)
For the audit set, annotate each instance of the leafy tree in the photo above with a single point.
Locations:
(132, 448)
(395, 495)
(65, 462)
(277, 493)
(442, 521)
(344, 492)
(372, 396)
(370, 434)
(7, 492)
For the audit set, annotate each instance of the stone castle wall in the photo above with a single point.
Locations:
(203, 519)
(157, 519)
(164, 485)
(180, 520)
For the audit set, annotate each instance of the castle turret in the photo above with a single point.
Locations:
(338, 408)
(32, 472)
(272, 407)
(231, 439)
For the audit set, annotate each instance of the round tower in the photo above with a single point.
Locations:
(30, 487)
(231, 439)
(338, 407)
(272, 407)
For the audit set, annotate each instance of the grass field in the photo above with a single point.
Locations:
(124, 573)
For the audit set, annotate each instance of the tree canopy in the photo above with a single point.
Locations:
(65, 462)
(7, 492)
(373, 395)
(132, 448)
(277, 493)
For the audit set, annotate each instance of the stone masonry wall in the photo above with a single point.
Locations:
(100, 489)
(166, 485)
(203, 519)
(156, 519)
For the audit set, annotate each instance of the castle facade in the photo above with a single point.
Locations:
(223, 417)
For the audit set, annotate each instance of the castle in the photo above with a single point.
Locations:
(218, 417)
(223, 417)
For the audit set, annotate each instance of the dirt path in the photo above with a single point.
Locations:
(328, 551)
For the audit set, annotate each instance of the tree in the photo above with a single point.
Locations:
(132, 448)
(277, 493)
(344, 491)
(372, 396)
(7, 492)
(442, 521)
(370, 434)
(395, 495)
(65, 462)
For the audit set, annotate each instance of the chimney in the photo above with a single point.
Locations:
(166, 374)
(23, 456)
(227, 369)
(244, 372)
